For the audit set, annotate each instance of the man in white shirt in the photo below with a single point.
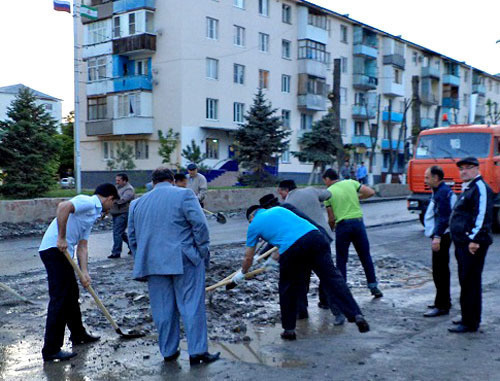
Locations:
(197, 183)
(70, 228)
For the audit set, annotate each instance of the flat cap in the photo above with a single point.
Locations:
(468, 160)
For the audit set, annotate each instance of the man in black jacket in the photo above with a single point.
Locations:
(470, 228)
(436, 223)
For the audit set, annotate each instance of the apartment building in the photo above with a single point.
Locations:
(196, 70)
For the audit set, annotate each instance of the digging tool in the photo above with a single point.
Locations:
(10, 290)
(221, 219)
(130, 334)
(248, 275)
(259, 258)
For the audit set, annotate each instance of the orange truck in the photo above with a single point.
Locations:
(444, 146)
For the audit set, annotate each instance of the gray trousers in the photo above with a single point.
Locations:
(184, 295)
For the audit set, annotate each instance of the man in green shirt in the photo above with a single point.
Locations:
(346, 216)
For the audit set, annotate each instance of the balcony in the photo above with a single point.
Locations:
(362, 140)
(479, 88)
(104, 11)
(101, 49)
(307, 30)
(432, 72)
(451, 103)
(364, 82)
(365, 51)
(429, 99)
(123, 126)
(99, 127)
(134, 45)
(481, 110)
(451, 79)
(312, 102)
(393, 89)
(395, 60)
(121, 6)
(386, 145)
(426, 123)
(396, 117)
(363, 112)
(99, 87)
(312, 67)
(132, 82)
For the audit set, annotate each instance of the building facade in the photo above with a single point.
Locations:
(196, 70)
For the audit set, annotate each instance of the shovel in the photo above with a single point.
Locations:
(221, 219)
(10, 290)
(130, 334)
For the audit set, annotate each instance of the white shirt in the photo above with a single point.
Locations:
(87, 211)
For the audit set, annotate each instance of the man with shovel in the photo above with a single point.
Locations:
(70, 228)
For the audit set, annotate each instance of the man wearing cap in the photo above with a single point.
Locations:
(346, 216)
(197, 182)
(301, 248)
(470, 229)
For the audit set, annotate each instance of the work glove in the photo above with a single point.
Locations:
(238, 278)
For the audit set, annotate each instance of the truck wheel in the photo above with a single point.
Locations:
(421, 218)
(496, 220)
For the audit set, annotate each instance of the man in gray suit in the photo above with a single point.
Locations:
(168, 235)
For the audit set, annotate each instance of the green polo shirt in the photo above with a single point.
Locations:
(345, 201)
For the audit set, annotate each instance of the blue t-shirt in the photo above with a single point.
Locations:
(278, 226)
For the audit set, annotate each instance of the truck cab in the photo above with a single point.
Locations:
(445, 146)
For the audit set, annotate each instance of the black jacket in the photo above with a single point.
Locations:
(472, 215)
(442, 202)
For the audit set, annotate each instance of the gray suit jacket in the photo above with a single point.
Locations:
(310, 202)
(164, 225)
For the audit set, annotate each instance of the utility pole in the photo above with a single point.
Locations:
(415, 109)
(334, 97)
(76, 127)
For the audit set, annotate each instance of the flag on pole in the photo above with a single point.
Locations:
(88, 12)
(61, 5)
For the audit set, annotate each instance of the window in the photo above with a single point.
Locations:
(286, 14)
(497, 147)
(343, 34)
(263, 79)
(150, 27)
(360, 99)
(285, 119)
(96, 108)
(212, 68)
(108, 149)
(116, 27)
(343, 64)
(490, 85)
(239, 35)
(285, 156)
(317, 20)
(285, 83)
(359, 128)
(466, 100)
(313, 50)
(316, 85)
(264, 7)
(238, 112)
(239, 4)
(212, 28)
(239, 74)
(129, 105)
(286, 47)
(96, 69)
(212, 148)
(131, 23)
(466, 76)
(414, 57)
(141, 67)
(263, 42)
(212, 108)
(97, 32)
(343, 95)
(141, 150)
(386, 132)
(397, 76)
(343, 126)
(48, 106)
(306, 121)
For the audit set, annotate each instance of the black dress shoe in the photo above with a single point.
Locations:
(114, 256)
(59, 356)
(431, 306)
(457, 321)
(206, 358)
(323, 306)
(172, 357)
(361, 323)
(288, 335)
(376, 292)
(460, 328)
(84, 339)
(436, 312)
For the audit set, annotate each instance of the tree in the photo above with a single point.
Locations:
(29, 152)
(168, 144)
(493, 113)
(124, 157)
(192, 153)
(67, 146)
(261, 139)
(318, 146)
(394, 153)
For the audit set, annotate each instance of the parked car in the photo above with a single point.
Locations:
(67, 182)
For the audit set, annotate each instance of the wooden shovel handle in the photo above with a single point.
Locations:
(92, 292)
(249, 275)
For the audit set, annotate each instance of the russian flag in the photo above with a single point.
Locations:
(61, 5)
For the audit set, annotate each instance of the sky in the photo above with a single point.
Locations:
(36, 42)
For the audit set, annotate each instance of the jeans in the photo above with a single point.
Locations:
(441, 273)
(311, 252)
(63, 309)
(354, 231)
(119, 232)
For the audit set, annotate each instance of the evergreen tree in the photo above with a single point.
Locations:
(124, 157)
(67, 145)
(261, 139)
(168, 144)
(192, 153)
(29, 152)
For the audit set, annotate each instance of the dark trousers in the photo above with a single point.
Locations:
(119, 232)
(354, 231)
(63, 309)
(311, 252)
(441, 273)
(470, 268)
(302, 302)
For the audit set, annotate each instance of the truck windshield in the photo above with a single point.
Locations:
(454, 145)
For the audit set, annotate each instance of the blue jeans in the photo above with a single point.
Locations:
(354, 231)
(119, 235)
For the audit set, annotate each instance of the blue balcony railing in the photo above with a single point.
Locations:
(451, 79)
(362, 139)
(133, 82)
(363, 111)
(364, 81)
(479, 88)
(396, 117)
(431, 71)
(451, 103)
(128, 5)
(386, 145)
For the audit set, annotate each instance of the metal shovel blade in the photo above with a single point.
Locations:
(221, 219)
(133, 334)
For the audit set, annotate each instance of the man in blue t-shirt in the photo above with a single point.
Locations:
(302, 248)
